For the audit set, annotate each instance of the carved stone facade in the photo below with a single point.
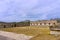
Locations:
(15, 24)
(29, 23)
(7, 25)
(43, 23)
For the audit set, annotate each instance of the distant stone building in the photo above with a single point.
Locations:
(7, 25)
(28, 23)
(14, 24)
(43, 23)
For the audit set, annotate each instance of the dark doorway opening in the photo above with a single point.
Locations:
(40, 23)
(4, 26)
(11, 25)
(49, 23)
(54, 23)
(14, 25)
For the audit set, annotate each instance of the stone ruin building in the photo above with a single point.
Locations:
(28, 23)
(43, 23)
(14, 24)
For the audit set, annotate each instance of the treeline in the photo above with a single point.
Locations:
(15, 24)
(58, 19)
(23, 23)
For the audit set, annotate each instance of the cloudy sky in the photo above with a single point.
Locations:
(19, 10)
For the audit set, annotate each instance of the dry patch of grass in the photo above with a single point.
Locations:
(44, 37)
(39, 33)
(28, 30)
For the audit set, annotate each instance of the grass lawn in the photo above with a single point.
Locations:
(28, 30)
(39, 33)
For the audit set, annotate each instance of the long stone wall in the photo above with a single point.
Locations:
(4, 25)
(29, 23)
(18, 24)
(43, 23)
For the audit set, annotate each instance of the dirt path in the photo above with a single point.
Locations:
(5, 38)
(15, 36)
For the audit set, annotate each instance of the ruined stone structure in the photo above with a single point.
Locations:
(43, 23)
(29, 23)
(7, 25)
(14, 24)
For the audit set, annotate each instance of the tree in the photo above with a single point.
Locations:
(58, 19)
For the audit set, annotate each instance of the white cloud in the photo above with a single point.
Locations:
(19, 9)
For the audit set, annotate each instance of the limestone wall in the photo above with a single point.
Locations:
(43, 23)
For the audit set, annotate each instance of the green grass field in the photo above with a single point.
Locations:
(39, 33)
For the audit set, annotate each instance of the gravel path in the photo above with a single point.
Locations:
(15, 36)
(5, 38)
